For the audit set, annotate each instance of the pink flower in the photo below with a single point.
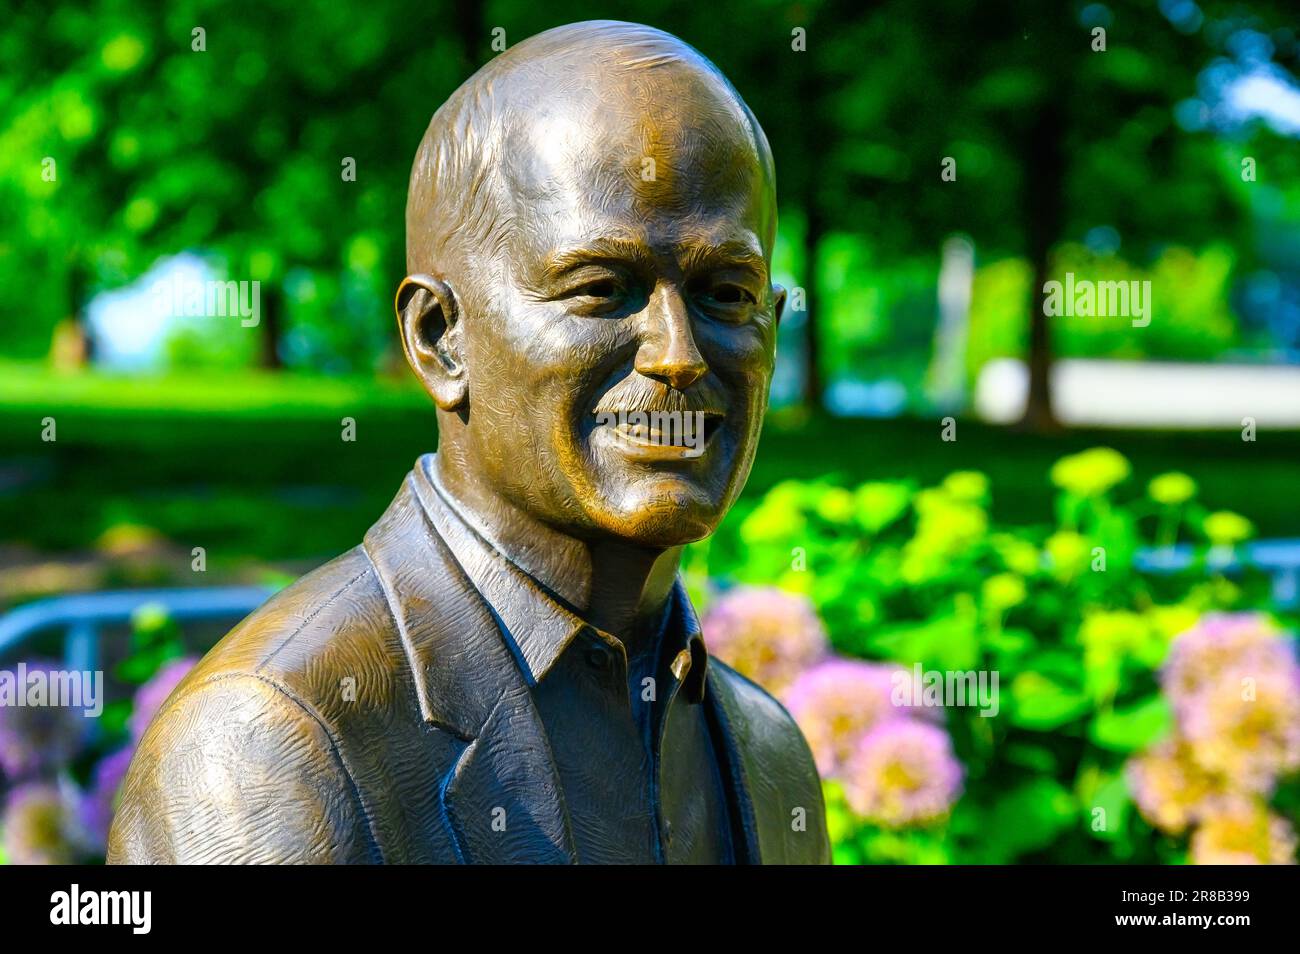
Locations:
(903, 773)
(1244, 832)
(765, 634)
(40, 825)
(1199, 657)
(1171, 789)
(1234, 685)
(836, 702)
(1247, 727)
(98, 805)
(36, 739)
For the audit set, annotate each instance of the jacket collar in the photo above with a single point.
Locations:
(460, 669)
(501, 799)
(473, 685)
(537, 624)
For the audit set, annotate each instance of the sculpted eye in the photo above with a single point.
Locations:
(731, 295)
(725, 296)
(600, 294)
(600, 288)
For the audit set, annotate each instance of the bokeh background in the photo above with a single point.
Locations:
(1102, 515)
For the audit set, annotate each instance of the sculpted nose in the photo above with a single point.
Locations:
(668, 352)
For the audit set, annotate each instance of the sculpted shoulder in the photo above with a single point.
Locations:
(328, 634)
(762, 721)
(267, 749)
(779, 770)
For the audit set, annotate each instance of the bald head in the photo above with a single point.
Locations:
(589, 231)
(593, 109)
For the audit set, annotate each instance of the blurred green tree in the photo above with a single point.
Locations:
(277, 139)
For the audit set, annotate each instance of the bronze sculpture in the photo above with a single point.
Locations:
(508, 669)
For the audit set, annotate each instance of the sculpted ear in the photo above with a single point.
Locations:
(778, 301)
(429, 320)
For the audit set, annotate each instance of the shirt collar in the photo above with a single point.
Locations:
(536, 623)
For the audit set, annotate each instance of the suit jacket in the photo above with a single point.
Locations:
(372, 712)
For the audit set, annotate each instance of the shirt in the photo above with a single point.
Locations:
(634, 752)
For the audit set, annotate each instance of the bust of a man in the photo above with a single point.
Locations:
(508, 669)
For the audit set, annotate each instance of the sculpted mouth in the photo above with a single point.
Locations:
(684, 433)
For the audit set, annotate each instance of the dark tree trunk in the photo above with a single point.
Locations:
(1044, 182)
(813, 386)
(272, 326)
(78, 299)
(469, 28)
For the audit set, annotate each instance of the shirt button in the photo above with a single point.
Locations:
(681, 665)
(599, 658)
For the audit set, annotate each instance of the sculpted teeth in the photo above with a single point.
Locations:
(642, 433)
(649, 433)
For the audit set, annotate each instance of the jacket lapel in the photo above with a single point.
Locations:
(501, 801)
(735, 770)
(771, 773)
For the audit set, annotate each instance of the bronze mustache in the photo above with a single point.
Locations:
(650, 396)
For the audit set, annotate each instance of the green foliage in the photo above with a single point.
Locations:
(235, 149)
(879, 313)
(915, 574)
(233, 145)
(1191, 319)
(155, 641)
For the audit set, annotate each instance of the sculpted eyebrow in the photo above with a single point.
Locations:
(604, 250)
(733, 254)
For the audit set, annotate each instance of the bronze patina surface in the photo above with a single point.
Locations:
(508, 669)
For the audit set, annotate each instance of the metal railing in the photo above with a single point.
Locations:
(1280, 559)
(81, 616)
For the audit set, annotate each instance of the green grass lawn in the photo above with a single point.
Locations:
(253, 464)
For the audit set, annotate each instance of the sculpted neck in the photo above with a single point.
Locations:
(615, 586)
